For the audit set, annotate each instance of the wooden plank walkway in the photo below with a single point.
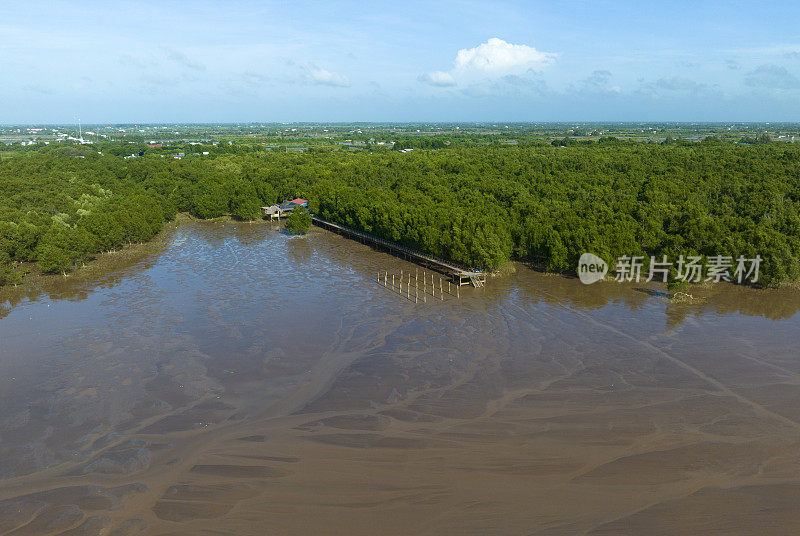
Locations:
(460, 275)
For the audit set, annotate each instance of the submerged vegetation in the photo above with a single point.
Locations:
(480, 206)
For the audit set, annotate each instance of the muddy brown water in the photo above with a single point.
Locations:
(228, 379)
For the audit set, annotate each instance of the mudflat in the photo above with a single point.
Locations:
(229, 379)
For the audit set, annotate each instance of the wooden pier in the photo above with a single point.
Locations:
(457, 274)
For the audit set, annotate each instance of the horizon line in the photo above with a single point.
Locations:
(345, 123)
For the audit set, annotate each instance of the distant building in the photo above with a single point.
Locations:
(272, 210)
(277, 211)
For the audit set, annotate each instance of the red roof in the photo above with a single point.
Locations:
(299, 201)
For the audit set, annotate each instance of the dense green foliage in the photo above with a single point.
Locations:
(477, 206)
(298, 221)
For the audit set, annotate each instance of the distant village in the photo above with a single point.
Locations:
(175, 140)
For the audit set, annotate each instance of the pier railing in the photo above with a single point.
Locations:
(442, 265)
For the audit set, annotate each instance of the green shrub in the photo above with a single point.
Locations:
(298, 221)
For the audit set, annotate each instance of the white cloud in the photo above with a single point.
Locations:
(437, 78)
(497, 57)
(183, 60)
(771, 76)
(596, 83)
(252, 78)
(677, 86)
(677, 83)
(323, 77)
(493, 59)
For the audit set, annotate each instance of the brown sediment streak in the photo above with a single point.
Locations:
(700, 374)
(234, 380)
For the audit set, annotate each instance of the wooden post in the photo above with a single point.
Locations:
(441, 293)
(392, 281)
(458, 291)
(448, 287)
(408, 287)
(385, 275)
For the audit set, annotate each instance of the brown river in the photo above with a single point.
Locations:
(229, 379)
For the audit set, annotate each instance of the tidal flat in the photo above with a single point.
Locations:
(229, 379)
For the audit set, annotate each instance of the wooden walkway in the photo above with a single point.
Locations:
(459, 275)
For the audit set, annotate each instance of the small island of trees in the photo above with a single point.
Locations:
(298, 221)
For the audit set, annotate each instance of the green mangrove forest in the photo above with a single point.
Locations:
(542, 203)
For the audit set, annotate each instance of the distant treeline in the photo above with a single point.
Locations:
(478, 206)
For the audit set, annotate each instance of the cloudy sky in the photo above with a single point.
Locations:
(234, 61)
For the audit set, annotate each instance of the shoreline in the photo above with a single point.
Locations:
(100, 261)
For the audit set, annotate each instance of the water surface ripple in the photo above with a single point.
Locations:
(230, 379)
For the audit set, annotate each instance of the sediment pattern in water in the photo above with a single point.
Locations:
(233, 380)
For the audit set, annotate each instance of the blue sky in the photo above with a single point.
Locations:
(243, 61)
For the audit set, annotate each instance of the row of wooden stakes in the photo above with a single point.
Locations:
(396, 284)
